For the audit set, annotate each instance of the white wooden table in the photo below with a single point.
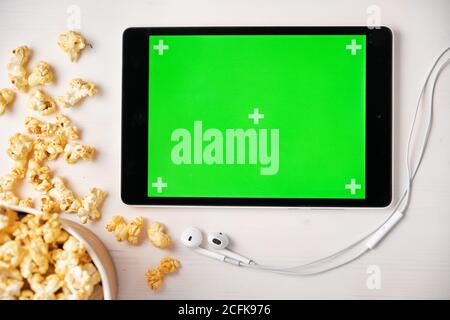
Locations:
(414, 262)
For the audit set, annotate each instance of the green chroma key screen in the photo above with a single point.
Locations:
(256, 116)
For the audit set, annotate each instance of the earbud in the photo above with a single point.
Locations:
(219, 241)
(192, 238)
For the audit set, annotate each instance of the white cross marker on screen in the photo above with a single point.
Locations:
(353, 47)
(353, 186)
(256, 116)
(161, 47)
(159, 185)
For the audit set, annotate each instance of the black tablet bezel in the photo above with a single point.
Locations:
(379, 42)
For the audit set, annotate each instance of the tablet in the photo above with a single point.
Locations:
(257, 116)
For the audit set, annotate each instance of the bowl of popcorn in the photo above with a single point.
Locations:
(45, 257)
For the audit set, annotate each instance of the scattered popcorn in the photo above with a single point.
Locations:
(41, 261)
(90, 204)
(154, 279)
(41, 74)
(119, 227)
(17, 68)
(76, 152)
(155, 276)
(6, 98)
(41, 102)
(78, 90)
(64, 125)
(40, 150)
(39, 176)
(20, 146)
(67, 201)
(123, 231)
(168, 265)
(48, 204)
(56, 146)
(157, 236)
(38, 128)
(72, 43)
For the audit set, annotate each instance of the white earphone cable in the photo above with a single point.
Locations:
(405, 197)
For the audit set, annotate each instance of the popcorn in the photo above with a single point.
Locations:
(157, 236)
(7, 182)
(41, 74)
(168, 265)
(40, 150)
(78, 90)
(7, 220)
(56, 146)
(41, 102)
(39, 177)
(154, 279)
(67, 201)
(10, 284)
(17, 68)
(11, 254)
(72, 43)
(27, 203)
(155, 276)
(90, 204)
(45, 288)
(19, 147)
(38, 128)
(41, 258)
(124, 231)
(19, 168)
(48, 204)
(64, 125)
(9, 197)
(119, 227)
(75, 152)
(6, 98)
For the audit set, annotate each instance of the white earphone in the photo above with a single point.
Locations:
(192, 237)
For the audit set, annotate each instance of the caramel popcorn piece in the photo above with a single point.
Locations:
(119, 227)
(17, 68)
(72, 43)
(41, 102)
(64, 126)
(39, 176)
(155, 276)
(123, 231)
(19, 147)
(41, 74)
(90, 204)
(38, 128)
(154, 279)
(76, 152)
(48, 204)
(67, 201)
(168, 265)
(6, 98)
(56, 146)
(78, 90)
(156, 235)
